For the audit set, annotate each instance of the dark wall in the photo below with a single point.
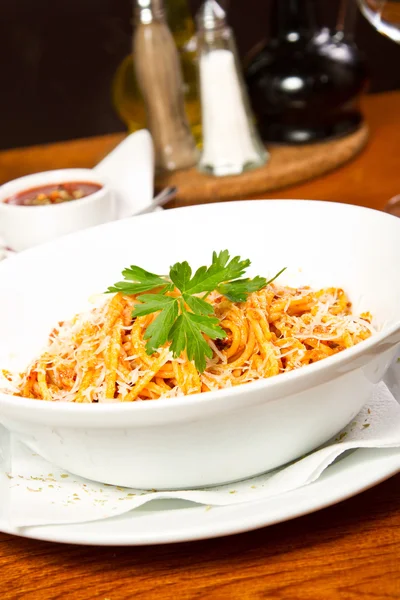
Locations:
(58, 58)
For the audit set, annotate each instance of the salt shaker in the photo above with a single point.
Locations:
(159, 76)
(231, 144)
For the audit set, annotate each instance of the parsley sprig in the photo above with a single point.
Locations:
(185, 317)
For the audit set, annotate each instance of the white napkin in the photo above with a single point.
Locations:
(37, 493)
(129, 169)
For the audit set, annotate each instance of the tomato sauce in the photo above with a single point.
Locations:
(55, 193)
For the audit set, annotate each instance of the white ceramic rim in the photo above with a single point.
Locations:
(286, 383)
(21, 183)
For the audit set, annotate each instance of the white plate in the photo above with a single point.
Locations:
(166, 522)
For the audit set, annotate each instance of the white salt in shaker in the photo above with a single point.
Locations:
(231, 144)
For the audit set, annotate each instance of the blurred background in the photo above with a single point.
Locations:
(58, 61)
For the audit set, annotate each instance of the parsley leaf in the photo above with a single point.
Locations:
(198, 305)
(158, 332)
(150, 303)
(186, 334)
(239, 289)
(138, 281)
(206, 279)
(184, 318)
(180, 274)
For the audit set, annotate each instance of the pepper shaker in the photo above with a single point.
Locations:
(159, 77)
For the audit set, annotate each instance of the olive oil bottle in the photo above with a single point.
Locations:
(127, 98)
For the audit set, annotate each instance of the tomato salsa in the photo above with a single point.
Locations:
(54, 193)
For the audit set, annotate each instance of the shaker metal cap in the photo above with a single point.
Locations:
(211, 16)
(149, 10)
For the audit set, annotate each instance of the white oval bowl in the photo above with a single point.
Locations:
(26, 226)
(222, 436)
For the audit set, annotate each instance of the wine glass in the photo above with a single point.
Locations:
(384, 15)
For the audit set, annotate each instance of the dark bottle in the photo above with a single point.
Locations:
(305, 83)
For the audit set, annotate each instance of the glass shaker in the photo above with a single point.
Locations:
(231, 144)
(159, 76)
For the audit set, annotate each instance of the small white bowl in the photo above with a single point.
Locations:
(26, 226)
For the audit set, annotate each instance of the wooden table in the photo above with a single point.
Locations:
(346, 552)
(370, 179)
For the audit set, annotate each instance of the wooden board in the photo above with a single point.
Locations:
(287, 165)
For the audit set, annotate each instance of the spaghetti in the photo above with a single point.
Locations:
(101, 356)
